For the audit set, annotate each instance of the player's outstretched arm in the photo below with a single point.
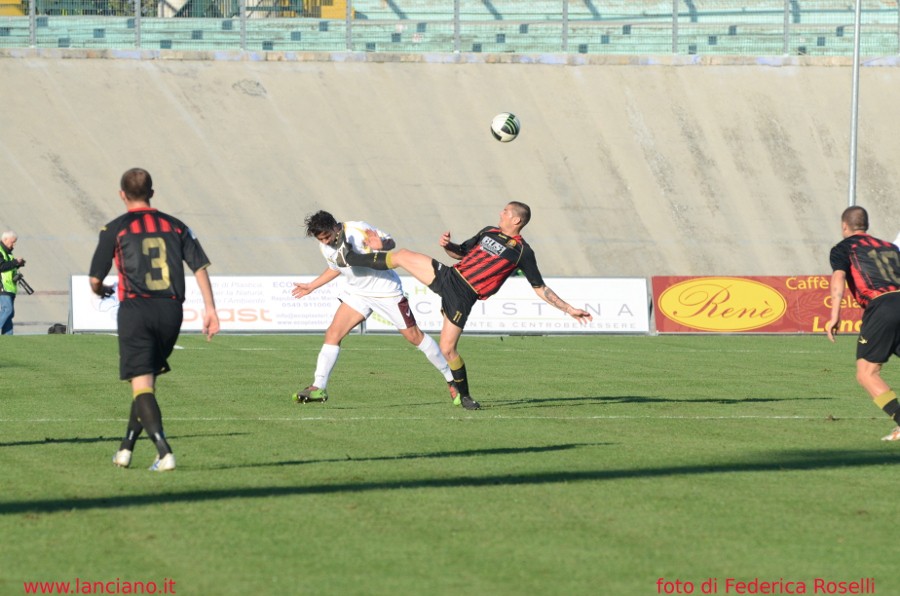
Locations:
(552, 298)
(302, 289)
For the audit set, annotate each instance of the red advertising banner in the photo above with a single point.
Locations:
(757, 304)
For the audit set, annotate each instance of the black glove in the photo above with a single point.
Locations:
(21, 262)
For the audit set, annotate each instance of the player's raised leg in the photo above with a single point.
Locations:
(417, 264)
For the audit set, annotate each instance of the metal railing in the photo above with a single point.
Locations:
(767, 27)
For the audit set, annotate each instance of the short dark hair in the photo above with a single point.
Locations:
(856, 218)
(137, 184)
(523, 211)
(319, 222)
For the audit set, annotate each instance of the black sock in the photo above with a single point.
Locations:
(372, 260)
(458, 368)
(134, 429)
(151, 417)
(892, 409)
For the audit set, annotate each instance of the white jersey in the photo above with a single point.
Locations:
(362, 280)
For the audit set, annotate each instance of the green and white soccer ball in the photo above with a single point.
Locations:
(505, 127)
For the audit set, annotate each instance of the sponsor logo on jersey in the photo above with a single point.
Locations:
(492, 246)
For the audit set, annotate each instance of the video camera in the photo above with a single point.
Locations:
(18, 279)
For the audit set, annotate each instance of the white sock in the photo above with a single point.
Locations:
(328, 357)
(431, 350)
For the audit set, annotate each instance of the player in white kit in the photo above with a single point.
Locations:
(365, 291)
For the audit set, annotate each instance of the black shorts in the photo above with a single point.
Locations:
(148, 330)
(457, 296)
(879, 334)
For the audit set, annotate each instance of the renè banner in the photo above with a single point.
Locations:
(263, 304)
(757, 304)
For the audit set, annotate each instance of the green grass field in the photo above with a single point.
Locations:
(597, 466)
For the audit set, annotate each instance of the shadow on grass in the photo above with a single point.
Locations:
(102, 439)
(796, 461)
(544, 402)
(437, 455)
(550, 402)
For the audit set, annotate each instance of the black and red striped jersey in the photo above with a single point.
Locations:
(491, 256)
(149, 248)
(872, 266)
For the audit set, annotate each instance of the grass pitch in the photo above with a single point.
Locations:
(598, 465)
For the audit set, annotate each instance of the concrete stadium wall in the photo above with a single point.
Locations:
(632, 166)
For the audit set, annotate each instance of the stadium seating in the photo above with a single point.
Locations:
(752, 27)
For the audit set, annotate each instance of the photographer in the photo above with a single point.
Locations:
(9, 269)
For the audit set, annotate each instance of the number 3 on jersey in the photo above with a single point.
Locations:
(158, 276)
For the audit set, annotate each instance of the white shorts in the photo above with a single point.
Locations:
(393, 308)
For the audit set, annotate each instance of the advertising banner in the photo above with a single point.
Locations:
(246, 304)
(251, 304)
(617, 305)
(756, 304)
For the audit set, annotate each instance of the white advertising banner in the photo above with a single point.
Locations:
(619, 305)
(251, 304)
(246, 304)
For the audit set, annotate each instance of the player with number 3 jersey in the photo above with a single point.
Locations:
(148, 248)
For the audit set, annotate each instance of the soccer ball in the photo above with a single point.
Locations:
(505, 127)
